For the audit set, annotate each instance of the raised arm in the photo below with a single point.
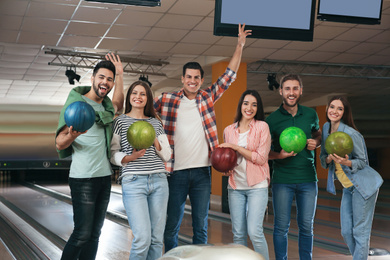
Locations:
(118, 96)
(157, 103)
(234, 63)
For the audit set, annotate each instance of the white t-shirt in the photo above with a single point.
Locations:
(240, 170)
(191, 146)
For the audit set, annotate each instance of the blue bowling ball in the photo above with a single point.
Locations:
(80, 115)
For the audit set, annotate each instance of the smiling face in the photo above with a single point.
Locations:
(102, 82)
(138, 98)
(192, 81)
(291, 92)
(335, 111)
(249, 107)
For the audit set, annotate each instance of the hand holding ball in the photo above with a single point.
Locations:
(80, 115)
(141, 135)
(339, 143)
(292, 139)
(223, 159)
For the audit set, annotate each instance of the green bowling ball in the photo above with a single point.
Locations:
(292, 139)
(339, 143)
(141, 135)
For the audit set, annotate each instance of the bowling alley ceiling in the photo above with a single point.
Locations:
(177, 32)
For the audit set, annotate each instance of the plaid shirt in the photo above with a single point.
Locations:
(168, 103)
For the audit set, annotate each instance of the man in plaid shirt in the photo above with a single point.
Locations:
(189, 121)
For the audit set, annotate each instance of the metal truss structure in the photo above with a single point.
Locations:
(89, 60)
(319, 69)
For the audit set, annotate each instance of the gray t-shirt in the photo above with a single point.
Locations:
(89, 157)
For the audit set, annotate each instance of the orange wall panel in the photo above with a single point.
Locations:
(225, 110)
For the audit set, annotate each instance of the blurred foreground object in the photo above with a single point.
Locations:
(378, 252)
(208, 252)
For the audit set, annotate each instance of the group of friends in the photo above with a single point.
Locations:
(156, 181)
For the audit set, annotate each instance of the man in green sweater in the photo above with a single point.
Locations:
(90, 170)
(294, 174)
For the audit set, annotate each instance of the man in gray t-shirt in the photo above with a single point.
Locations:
(90, 171)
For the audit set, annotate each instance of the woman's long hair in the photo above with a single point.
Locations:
(260, 110)
(149, 108)
(347, 116)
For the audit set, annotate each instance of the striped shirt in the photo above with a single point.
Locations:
(168, 103)
(149, 163)
(259, 143)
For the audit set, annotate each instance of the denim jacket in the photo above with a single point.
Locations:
(366, 181)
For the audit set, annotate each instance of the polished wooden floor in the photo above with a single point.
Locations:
(328, 242)
(115, 242)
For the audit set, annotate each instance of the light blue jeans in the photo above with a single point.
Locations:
(145, 198)
(196, 182)
(306, 201)
(356, 215)
(247, 209)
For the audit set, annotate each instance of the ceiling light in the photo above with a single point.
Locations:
(71, 74)
(272, 82)
(146, 79)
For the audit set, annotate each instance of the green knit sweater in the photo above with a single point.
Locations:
(103, 118)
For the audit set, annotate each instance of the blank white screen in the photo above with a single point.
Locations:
(295, 14)
(357, 8)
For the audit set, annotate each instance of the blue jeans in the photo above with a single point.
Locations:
(356, 215)
(195, 182)
(247, 209)
(306, 200)
(145, 198)
(90, 199)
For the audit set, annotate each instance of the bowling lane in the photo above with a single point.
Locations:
(220, 233)
(4, 252)
(115, 206)
(116, 238)
(382, 205)
(48, 212)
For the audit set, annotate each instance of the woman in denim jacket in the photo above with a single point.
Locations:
(361, 186)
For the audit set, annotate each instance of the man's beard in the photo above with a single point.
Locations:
(96, 89)
(285, 101)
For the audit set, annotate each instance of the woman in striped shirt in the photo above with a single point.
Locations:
(248, 184)
(143, 174)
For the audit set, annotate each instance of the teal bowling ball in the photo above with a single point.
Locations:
(339, 143)
(292, 139)
(80, 115)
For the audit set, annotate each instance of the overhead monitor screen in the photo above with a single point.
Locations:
(149, 3)
(350, 11)
(276, 19)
